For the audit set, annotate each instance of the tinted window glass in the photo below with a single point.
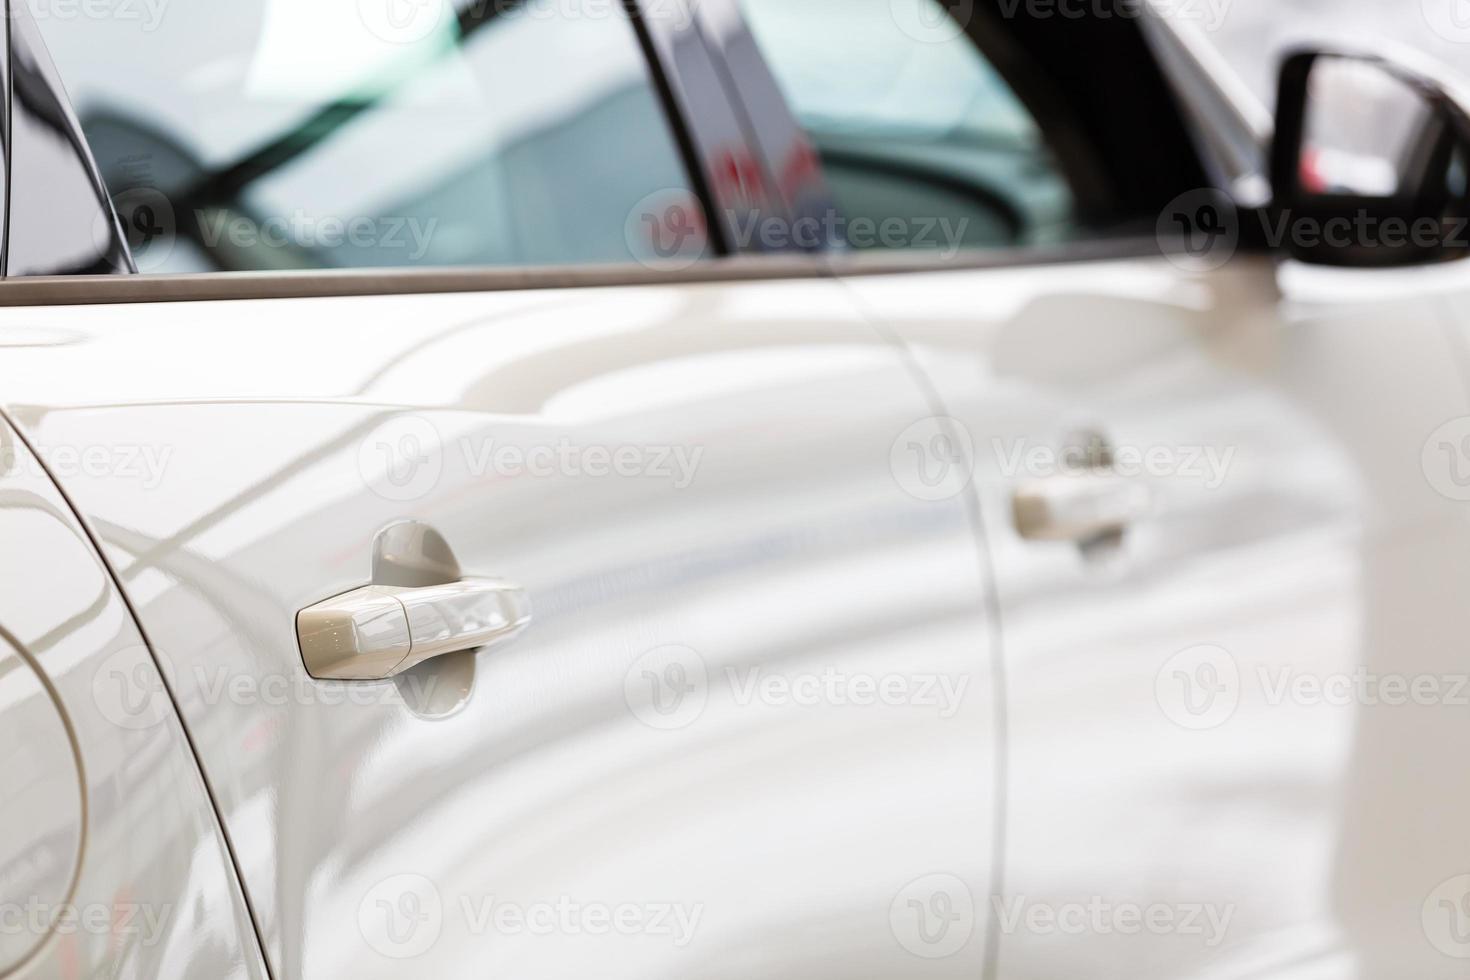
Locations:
(917, 132)
(261, 134)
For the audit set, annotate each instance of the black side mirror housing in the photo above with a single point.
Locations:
(1370, 166)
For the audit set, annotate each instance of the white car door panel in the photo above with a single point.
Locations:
(753, 698)
(1184, 737)
(111, 858)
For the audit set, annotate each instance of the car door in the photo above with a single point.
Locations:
(747, 724)
(752, 699)
(1218, 494)
(112, 859)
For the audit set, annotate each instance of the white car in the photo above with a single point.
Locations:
(760, 488)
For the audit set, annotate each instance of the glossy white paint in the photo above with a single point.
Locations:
(755, 699)
(1162, 752)
(1178, 738)
(41, 819)
(130, 877)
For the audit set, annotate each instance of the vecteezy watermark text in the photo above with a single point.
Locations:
(142, 464)
(402, 917)
(129, 691)
(142, 923)
(1098, 916)
(1207, 465)
(299, 229)
(678, 464)
(943, 235)
(147, 14)
(1202, 687)
(669, 688)
(1208, 13)
(1202, 229)
(404, 458)
(841, 688)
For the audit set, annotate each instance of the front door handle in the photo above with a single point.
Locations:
(1080, 507)
(381, 630)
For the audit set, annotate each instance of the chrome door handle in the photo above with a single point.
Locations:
(1078, 507)
(380, 631)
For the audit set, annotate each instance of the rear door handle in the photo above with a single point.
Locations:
(1079, 507)
(381, 631)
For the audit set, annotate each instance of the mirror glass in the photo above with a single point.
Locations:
(1368, 133)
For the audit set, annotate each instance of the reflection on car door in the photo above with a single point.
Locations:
(1197, 785)
(753, 701)
(1204, 493)
(111, 855)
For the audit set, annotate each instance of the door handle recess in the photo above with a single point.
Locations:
(1079, 507)
(381, 631)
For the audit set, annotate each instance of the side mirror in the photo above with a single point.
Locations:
(1370, 164)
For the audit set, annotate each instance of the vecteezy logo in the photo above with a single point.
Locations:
(667, 688)
(146, 217)
(402, 459)
(1446, 459)
(667, 230)
(1446, 917)
(933, 916)
(933, 458)
(129, 691)
(1199, 230)
(401, 917)
(1450, 19)
(932, 23)
(1199, 688)
(402, 21)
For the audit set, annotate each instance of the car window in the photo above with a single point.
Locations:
(914, 126)
(270, 134)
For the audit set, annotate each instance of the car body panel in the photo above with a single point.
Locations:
(129, 876)
(1115, 729)
(1162, 751)
(791, 549)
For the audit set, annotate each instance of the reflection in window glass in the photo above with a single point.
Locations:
(912, 122)
(266, 134)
